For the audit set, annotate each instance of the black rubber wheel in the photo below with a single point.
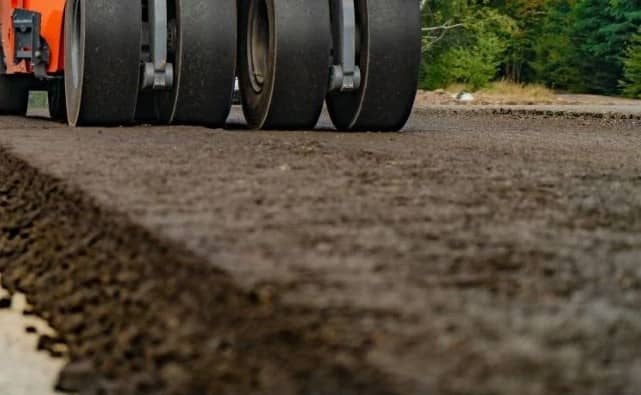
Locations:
(57, 100)
(14, 95)
(204, 59)
(147, 111)
(390, 55)
(102, 61)
(205, 63)
(14, 91)
(283, 62)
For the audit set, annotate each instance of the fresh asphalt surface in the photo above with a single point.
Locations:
(474, 253)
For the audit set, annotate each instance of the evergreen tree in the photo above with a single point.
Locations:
(552, 50)
(602, 29)
(632, 69)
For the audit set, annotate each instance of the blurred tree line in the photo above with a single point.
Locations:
(589, 46)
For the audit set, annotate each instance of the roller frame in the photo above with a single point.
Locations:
(347, 75)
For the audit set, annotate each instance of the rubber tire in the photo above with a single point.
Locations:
(57, 100)
(297, 64)
(14, 95)
(147, 110)
(206, 61)
(14, 91)
(102, 71)
(390, 57)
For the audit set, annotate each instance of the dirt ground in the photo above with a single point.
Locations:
(474, 253)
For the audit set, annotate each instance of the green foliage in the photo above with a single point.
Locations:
(600, 34)
(578, 45)
(472, 54)
(631, 83)
(551, 61)
(475, 65)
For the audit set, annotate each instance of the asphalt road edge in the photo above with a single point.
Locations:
(520, 111)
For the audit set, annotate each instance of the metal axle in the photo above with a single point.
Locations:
(159, 73)
(345, 74)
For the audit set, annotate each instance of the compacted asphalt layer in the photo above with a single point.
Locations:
(478, 252)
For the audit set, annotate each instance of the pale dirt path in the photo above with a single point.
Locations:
(562, 102)
(23, 369)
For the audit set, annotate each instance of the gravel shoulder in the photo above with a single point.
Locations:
(475, 253)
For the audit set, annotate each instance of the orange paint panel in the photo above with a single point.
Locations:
(52, 12)
(52, 15)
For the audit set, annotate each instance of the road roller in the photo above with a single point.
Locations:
(116, 62)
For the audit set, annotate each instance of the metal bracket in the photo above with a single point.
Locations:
(28, 44)
(345, 74)
(158, 74)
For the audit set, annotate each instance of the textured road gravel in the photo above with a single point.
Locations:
(474, 253)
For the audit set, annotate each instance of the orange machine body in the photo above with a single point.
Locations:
(52, 17)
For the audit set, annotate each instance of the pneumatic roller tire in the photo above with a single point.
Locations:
(205, 63)
(14, 95)
(102, 61)
(14, 91)
(57, 103)
(390, 52)
(283, 62)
